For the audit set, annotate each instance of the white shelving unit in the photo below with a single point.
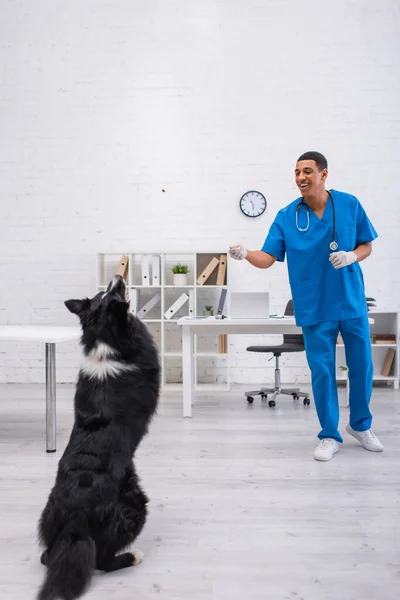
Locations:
(384, 323)
(211, 366)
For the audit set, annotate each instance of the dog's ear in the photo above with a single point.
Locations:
(77, 307)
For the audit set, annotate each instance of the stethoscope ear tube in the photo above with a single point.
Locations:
(302, 229)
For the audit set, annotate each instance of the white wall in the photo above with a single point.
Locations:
(105, 103)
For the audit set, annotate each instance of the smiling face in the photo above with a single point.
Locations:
(309, 179)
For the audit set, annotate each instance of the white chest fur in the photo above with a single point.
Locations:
(100, 363)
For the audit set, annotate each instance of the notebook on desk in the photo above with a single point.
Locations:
(249, 305)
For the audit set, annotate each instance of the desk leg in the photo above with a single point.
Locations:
(187, 363)
(50, 397)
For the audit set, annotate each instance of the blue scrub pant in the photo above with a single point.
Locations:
(320, 345)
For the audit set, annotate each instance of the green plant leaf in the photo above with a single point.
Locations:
(180, 269)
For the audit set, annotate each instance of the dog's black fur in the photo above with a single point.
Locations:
(96, 507)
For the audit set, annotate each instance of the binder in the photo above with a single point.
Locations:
(176, 305)
(222, 343)
(221, 303)
(123, 267)
(145, 270)
(384, 338)
(212, 265)
(148, 306)
(191, 303)
(221, 270)
(134, 300)
(155, 270)
(387, 365)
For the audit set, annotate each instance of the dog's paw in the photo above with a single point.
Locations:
(137, 557)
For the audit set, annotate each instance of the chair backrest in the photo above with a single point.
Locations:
(292, 338)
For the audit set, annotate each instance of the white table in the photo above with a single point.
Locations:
(192, 326)
(50, 336)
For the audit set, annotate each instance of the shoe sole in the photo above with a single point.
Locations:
(352, 433)
(326, 459)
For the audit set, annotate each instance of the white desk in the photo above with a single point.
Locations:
(197, 326)
(192, 326)
(50, 336)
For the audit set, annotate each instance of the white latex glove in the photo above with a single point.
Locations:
(342, 259)
(237, 252)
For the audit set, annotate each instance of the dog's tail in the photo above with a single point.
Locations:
(70, 562)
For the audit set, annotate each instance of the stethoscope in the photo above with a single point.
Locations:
(333, 245)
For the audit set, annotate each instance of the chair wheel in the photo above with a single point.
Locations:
(306, 401)
(271, 403)
(250, 399)
(295, 396)
(264, 396)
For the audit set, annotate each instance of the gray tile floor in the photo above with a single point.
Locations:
(239, 508)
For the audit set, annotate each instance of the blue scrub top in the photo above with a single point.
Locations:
(319, 291)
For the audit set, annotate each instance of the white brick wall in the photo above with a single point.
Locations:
(105, 103)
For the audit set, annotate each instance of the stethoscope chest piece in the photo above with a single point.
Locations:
(333, 246)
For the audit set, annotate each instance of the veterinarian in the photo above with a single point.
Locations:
(325, 235)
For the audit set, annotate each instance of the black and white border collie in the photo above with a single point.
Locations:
(96, 507)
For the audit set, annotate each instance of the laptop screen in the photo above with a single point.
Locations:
(249, 305)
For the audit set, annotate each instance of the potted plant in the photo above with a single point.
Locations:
(345, 371)
(180, 274)
(208, 311)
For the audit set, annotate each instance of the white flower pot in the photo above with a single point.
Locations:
(180, 279)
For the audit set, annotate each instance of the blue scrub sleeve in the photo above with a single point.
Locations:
(365, 229)
(275, 242)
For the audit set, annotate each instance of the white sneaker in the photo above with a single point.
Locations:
(367, 438)
(326, 449)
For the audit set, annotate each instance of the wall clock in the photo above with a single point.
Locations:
(253, 203)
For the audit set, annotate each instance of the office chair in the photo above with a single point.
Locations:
(291, 343)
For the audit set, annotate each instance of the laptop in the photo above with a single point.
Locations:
(249, 305)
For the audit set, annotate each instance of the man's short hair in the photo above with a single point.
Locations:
(319, 159)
